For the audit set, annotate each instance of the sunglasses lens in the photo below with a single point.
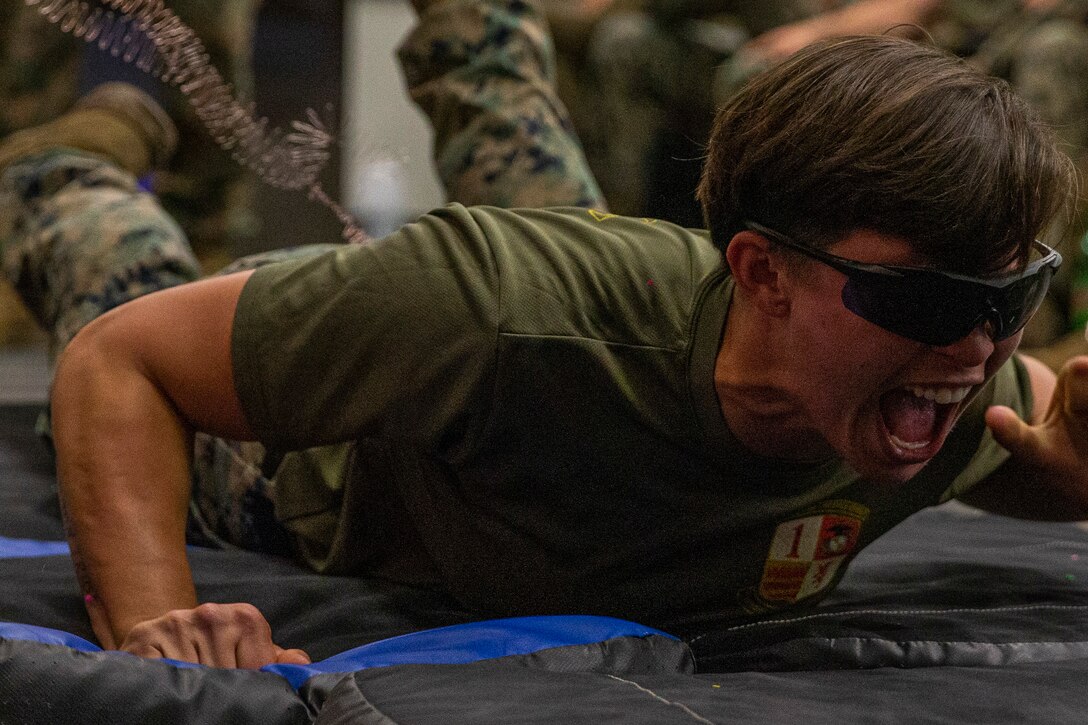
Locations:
(936, 310)
(934, 307)
(1019, 301)
(925, 308)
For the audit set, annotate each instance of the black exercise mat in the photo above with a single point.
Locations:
(954, 616)
(323, 615)
(28, 501)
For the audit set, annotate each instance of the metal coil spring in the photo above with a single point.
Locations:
(150, 36)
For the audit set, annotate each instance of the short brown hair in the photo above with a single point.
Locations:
(889, 135)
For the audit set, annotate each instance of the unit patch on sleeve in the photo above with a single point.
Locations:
(807, 552)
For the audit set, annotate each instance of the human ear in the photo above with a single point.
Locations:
(759, 272)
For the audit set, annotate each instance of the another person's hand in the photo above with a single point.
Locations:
(861, 18)
(1055, 449)
(1040, 6)
(217, 635)
(777, 44)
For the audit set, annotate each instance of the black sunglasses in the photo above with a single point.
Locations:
(931, 306)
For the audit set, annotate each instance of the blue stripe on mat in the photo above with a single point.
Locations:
(44, 635)
(27, 548)
(462, 643)
(458, 644)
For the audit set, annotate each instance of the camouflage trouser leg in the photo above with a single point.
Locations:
(78, 238)
(203, 188)
(1046, 60)
(1051, 73)
(483, 72)
(628, 117)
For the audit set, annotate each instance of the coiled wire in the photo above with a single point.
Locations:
(148, 35)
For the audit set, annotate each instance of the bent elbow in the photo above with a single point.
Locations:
(92, 365)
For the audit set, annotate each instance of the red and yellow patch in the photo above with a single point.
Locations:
(807, 552)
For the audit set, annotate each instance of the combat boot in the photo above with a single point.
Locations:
(115, 120)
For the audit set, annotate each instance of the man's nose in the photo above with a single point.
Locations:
(973, 349)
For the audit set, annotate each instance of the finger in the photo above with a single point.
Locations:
(292, 657)
(216, 638)
(178, 648)
(1073, 387)
(167, 636)
(1013, 434)
(142, 649)
(253, 652)
(216, 649)
(253, 646)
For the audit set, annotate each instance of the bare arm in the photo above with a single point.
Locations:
(863, 18)
(1047, 476)
(129, 391)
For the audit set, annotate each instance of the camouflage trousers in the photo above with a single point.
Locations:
(653, 88)
(209, 194)
(483, 72)
(78, 236)
(657, 74)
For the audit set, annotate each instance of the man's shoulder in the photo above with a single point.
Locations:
(602, 242)
(605, 276)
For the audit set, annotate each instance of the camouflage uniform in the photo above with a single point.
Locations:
(654, 72)
(484, 73)
(204, 189)
(1045, 58)
(78, 237)
(659, 81)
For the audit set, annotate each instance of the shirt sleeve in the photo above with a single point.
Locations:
(1010, 386)
(394, 340)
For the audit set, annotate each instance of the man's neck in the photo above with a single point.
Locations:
(758, 390)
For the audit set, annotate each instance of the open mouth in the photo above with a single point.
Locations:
(917, 419)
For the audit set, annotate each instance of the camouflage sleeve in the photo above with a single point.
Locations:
(483, 73)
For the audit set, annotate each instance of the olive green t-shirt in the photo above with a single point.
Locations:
(529, 403)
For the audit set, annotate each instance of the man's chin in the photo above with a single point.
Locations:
(887, 472)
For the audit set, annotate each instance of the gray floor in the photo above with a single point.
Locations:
(24, 375)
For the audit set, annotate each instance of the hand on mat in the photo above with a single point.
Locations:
(1056, 449)
(217, 635)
